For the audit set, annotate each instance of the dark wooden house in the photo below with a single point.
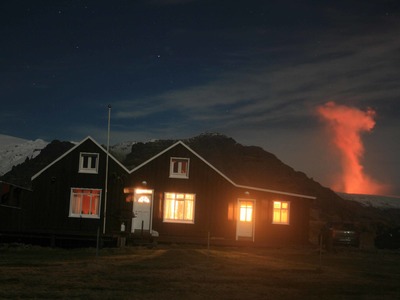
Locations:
(70, 200)
(15, 204)
(179, 196)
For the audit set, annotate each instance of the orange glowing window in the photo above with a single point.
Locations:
(85, 203)
(281, 212)
(179, 207)
(246, 211)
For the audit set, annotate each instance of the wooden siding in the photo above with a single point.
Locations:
(216, 204)
(52, 190)
(15, 204)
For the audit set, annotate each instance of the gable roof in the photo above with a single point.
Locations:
(219, 172)
(73, 149)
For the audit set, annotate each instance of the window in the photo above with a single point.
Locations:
(11, 195)
(85, 203)
(89, 163)
(179, 208)
(246, 211)
(179, 167)
(281, 212)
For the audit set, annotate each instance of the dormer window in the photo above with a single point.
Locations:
(179, 167)
(89, 163)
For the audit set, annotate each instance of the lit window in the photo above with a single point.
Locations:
(89, 163)
(179, 167)
(144, 199)
(246, 211)
(179, 208)
(281, 212)
(85, 203)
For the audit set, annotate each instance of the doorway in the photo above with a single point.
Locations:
(245, 219)
(142, 207)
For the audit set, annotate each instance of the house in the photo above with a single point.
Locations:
(177, 196)
(69, 195)
(14, 206)
(182, 197)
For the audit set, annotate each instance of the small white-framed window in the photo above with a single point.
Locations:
(88, 163)
(281, 212)
(179, 167)
(179, 207)
(85, 203)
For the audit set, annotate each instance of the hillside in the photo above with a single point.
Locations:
(21, 174)
(245, 165)
(253, 166)
(14, 151)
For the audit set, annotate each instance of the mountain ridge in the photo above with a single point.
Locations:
(245, 165)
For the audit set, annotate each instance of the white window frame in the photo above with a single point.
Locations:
(73, 214)
(180, 173)
(170, 196)
(280, 211)
(88, 169)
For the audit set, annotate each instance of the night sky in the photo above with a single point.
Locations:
(253, 70)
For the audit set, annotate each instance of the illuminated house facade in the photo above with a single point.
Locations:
(188, 199)
(177, 195)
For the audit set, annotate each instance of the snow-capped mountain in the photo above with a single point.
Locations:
(377, 201)
(121, 150)
(14, 151)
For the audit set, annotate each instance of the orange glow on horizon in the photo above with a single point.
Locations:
(346, 125)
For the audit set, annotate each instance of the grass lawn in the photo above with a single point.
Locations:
(195, 272)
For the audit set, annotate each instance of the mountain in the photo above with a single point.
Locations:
(245, 165)
(14, 151)
(33, 155)
(377, 201)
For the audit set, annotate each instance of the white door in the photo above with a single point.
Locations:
(245, 219)
(142, 210)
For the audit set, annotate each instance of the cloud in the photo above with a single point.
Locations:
(355, 68)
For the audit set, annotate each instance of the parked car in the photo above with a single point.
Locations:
(339, 233)
(389, 239)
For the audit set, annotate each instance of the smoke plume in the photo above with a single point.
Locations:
(346, 124)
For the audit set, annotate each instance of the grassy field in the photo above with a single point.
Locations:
(195, 272)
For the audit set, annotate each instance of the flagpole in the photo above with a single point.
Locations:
(106, 180)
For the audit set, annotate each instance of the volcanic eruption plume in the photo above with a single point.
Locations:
(346, 125)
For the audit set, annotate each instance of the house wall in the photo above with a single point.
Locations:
(215, 207)
(216, 204)
(14, 206)
(52, 191)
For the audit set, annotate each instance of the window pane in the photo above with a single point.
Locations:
(277, 204)
(189, 210)
(76, 204)
(94, 205)
(85, 202)
(246, 211)
(284, 217)
(179, 207)
(277, 216)
(281, 212)
(179, 167)
(179, 210)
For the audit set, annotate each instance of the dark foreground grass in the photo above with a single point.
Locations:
(194, 272)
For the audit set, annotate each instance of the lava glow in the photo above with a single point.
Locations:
(346, 125)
